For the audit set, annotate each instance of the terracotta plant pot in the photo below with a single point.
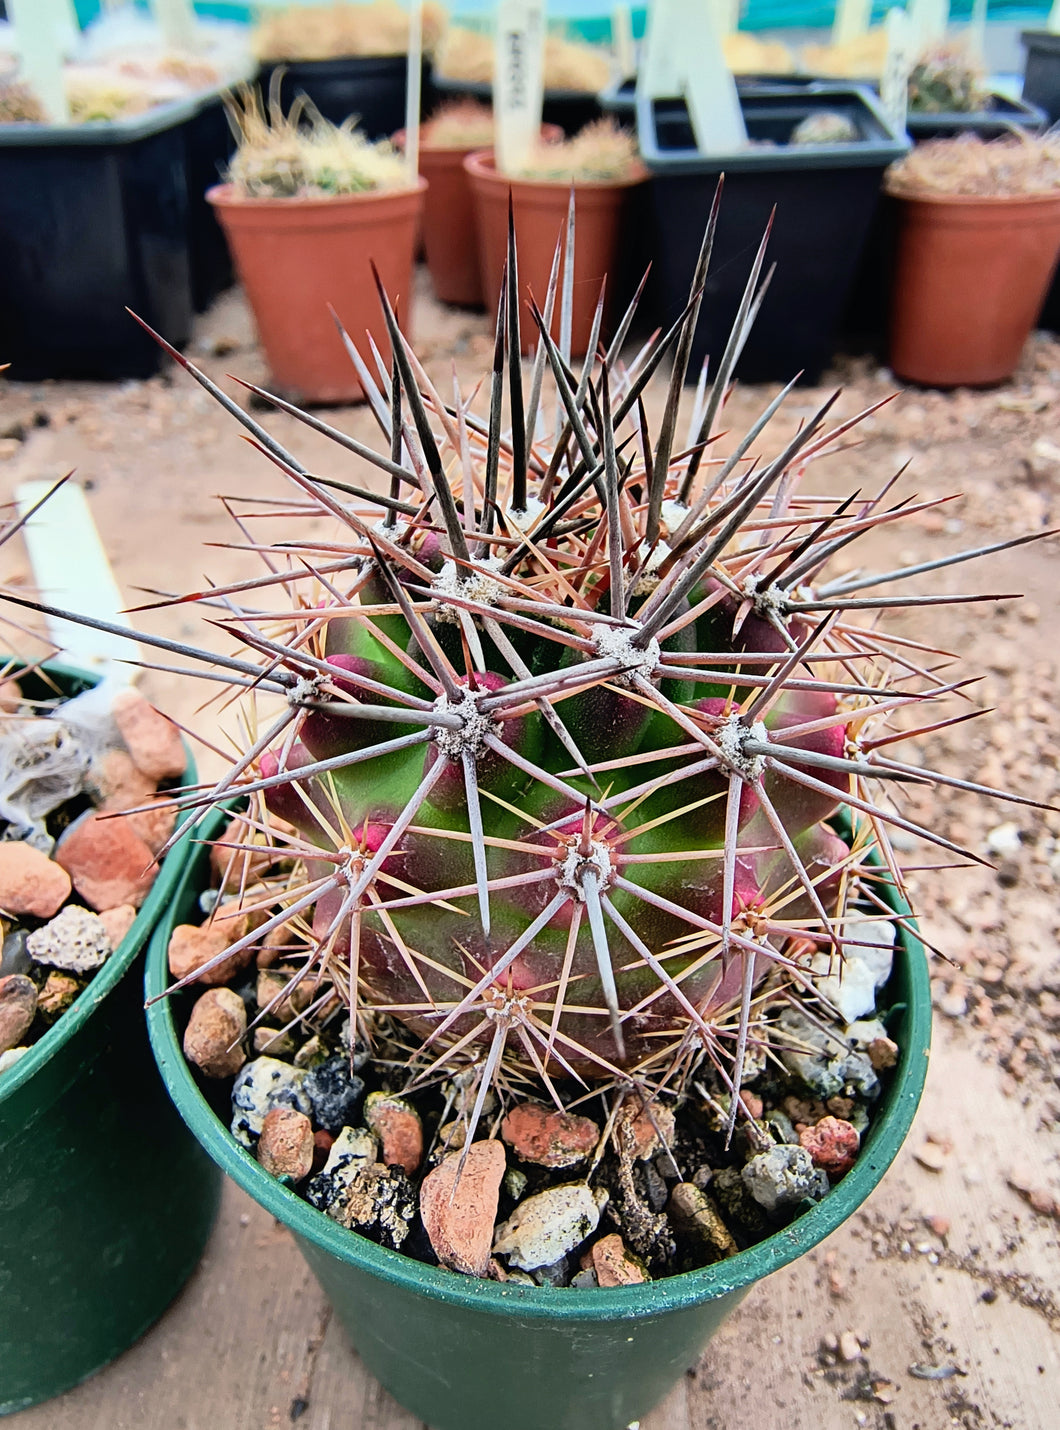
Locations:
(540, 215)
(970, 278)
(450, 239)
(294, 257)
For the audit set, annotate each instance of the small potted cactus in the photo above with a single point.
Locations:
(811, 168)
(600, 166)
(349, 59)
(974, 219)
(307, 210)
(106, 1200)
(569, 792)
(458, 128)
(948, 95)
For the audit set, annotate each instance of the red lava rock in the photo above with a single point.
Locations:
(108, 862)
(398, 1127)
(218, 1020)
(192, 945)
(285, 1147)
(832, 1144)
(18, 1003)
(940, 1225)
(540, 1134)
(153, 741)
(117, 782)
(117, 921)
(322, 1145)
(30, 882)
(459, 1216)
(155, 824)
(635, 1128)
(614, 1264)
(753, 1103)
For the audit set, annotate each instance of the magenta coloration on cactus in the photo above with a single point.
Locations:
(557, 725)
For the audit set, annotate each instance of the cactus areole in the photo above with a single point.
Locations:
(551, 713)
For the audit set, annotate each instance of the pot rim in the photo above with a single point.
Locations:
(970, 200)
(117, 965)
(224, 196)
(480, 163)
(890, 1126)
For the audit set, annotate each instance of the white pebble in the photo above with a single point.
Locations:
(546, 1226)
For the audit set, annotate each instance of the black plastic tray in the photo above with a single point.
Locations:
(209, 145)
(94, 218)
(1001, 116)
(372, 87)
(1041, 73)
(620, 99)
(826, 197)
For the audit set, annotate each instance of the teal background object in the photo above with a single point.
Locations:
(469, 1354)
(106, 1200)
(592, 17)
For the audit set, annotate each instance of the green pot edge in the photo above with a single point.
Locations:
(120, 961)
(670, 1293)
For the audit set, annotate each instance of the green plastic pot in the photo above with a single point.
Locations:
(106, 1200)
(468, 1354)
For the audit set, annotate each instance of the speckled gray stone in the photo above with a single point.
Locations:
(262, 1085)
(783, 1177)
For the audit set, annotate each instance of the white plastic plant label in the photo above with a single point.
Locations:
(894, 86)
(977, 31)
(851, 20)
(683, 58)
(518, 80)
(176, 20)
(413, 84)
(726, 16)
(40, 33)
(929, 19)
(622, 41)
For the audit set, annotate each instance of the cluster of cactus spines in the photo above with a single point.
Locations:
(945, 80)
(553, 727)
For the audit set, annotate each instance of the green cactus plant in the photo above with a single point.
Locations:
(945, 80)
(549, 738)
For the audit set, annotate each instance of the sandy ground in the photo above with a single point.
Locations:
(952, 1267)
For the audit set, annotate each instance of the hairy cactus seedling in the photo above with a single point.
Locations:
(547, 736)
(277, 156)
(827, 127)
(601, 153)
(945, 80)
(461, 124)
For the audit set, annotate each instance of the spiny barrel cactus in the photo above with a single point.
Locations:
(553, 729)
